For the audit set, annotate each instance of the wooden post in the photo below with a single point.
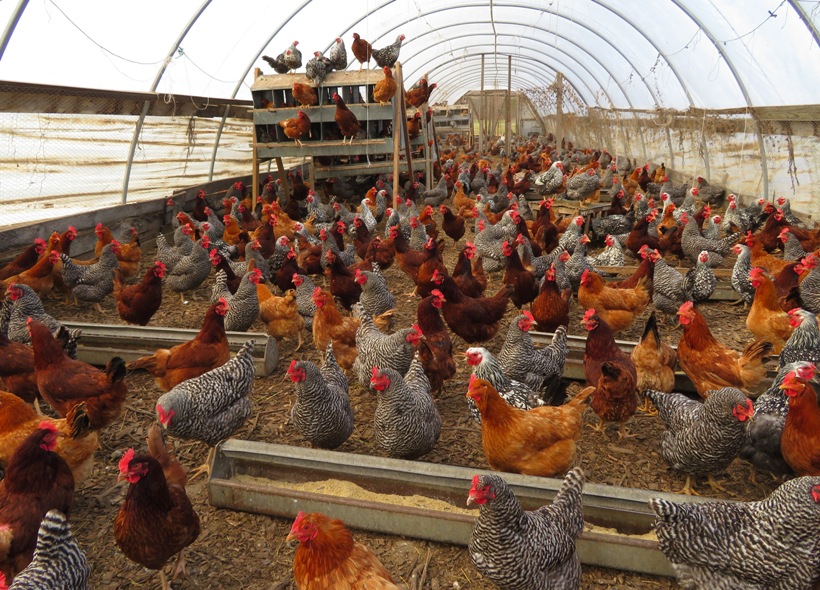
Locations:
(397, 122)
(435, 137)
(481, 111)
(428, 173)
(404, 132)
(508, 112)
(254, 175)
(559, 108)
(283, 178)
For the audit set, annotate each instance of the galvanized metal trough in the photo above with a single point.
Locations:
(250, 476)
(99, 342)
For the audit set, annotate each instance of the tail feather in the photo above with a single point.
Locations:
(757, 350)
(652, 326)
(78, 420)
(154, 364)
(581, 398)
(174, 472)
(567, 505)
(116, 369)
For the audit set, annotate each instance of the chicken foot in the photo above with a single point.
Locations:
(204, 468)
(687, 488)
(179, 566)
(647, 408)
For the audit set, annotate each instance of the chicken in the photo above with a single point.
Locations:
(58, 561)
(804, 343)
(654, 360)
(618, 307)
(452, 224)
(419, 93)
(540, 369)
(766, 320)
(22, 303)
(212, 406)
(693, 243)
(414, 126)
(710, 193)
(138, 303)
(435, 350)
(338, 55)
(206, 351)
(65, 383)
(24, 261)
(800, 441)
(345, 119)
(377, 349)
(376, 298)
(361, 49)
(76, 442)
(600, 348)
(473, 319)
(711, 365)
(192, 270)
(736, 545)
(38, 277)
(409, 260)
(387, 56)
(129, 255)
(17, 373)
(305, 95)
(322, 413)
(328, 558)
(37, 480)
(296, 127)
(540, 441)
(527, 549)
(317, 68)
(243, 307)
(550, 308)
(156, 519)
(280, 314)
(469, 283)
(702, 437)
(385, 88)
(343, 285)
(525, 287)
(614, 398)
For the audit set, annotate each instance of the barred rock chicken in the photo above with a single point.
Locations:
(612, 255)
(304, 298)
(709, 193)
(292, 58)
(735, 545)
(58, 562)
(700, 281)
(552, 181)
(804, 343)
(22, 303)
(192, 270)
(407, 423)
(36, 480)
(277, 63)
(338, 55)
(376, 298)
(387, 56)
(740, 274)
(244, 305)
(95, 281)
(516, 393)
(168, 255)
(577, 264)
(214, 405)
(693, 243)
(669, 288)
(584, 187)
(702, 437)
(156, 520)
(317, 68)
(377, 349)
(515, 548)
(322, 413)
(540, 368)
(329, 559)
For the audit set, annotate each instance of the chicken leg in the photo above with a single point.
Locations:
(179, 566)
(204, 468)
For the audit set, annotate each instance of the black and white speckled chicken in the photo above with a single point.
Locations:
(211, 407)
(612, 255)
(376, 298)
(93, 282)
(762, 446)
(304, 298)
(489, 242)
(804, 343)
(387, 56)
(786, 208)
(21, 303)
(539, 368)
(516, 393)
(700, 281)
(792, 249)
(58, 561)
(578, 263)
(253, 251)
(525, 550)
(406, 423)
(338, 55)
(168, 255)
(244, 304)
(347, 257)
(190, 272)
(418, 235)
(711, 227)
(583, 186)
(693, 243)
(548, 182)
(377, 349)
(322, 413)
(317, 67)
(436, 195)
(810, 284)
(366, 215)
(702, 437)
(539, 264)
(771, 544)
(710, 193)
(740, 273)
(292, 57)
(572, 234)
(277, 63)
(614, 224)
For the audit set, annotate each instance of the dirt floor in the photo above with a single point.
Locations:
(240, 550)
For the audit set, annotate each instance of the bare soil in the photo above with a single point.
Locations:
(241, 550)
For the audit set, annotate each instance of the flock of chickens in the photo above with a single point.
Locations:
(516, 396)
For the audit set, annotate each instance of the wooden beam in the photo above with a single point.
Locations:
(283, 178)
(405, 133)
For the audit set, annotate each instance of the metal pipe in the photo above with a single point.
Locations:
(508, 113)
(481, 112)
(12, 24)
(133, 148)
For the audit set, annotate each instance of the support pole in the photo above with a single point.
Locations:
(481, 111)
(404, 132)
(559, 108)
(508, 112)
(397, 124)
(283, 178)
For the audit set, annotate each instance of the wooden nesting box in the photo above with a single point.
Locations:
(371, 151)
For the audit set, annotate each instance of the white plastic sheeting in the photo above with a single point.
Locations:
(614, 53)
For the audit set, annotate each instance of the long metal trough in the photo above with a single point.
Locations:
(249, 476)
(99, 342)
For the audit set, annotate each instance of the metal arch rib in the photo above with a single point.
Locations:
(12, 24)
(533, 9)
(146, 105)
(547, 81)
(535, 39)
(795, 4)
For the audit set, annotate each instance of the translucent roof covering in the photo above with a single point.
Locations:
(613, 53)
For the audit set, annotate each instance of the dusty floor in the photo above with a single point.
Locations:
(240, 550)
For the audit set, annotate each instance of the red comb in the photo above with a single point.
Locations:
(126, 460)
